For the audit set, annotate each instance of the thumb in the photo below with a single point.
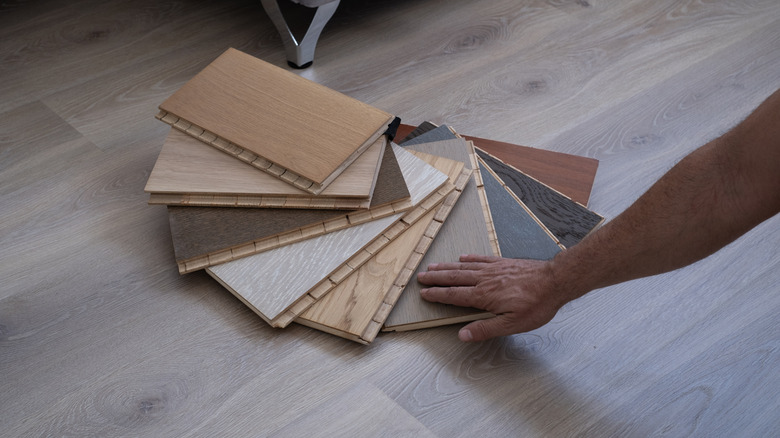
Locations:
(485, 329)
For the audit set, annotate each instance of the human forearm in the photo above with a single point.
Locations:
(708, 199)
(711, 197)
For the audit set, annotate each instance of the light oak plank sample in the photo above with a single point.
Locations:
(190, 172)
(357, 308)
(279, 122)
(568, 221)
(464, 232)
(205, 236)
(572, 175)
(281, 283)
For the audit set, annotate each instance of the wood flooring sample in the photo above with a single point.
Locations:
(190, 172)
(357, 308)
(464, 232)
(568, 221)
(282, 283)
(206, 236)
(284, 124)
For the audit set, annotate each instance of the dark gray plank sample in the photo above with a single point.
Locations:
(569, 221)
(519, 235)
(437, 134)
(422, 128)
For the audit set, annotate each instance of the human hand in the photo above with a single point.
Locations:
(521, 293)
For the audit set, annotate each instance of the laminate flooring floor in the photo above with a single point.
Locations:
(100, 335)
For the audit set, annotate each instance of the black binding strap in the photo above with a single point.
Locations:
(392, 128)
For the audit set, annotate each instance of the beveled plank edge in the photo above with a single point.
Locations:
(264, 201)
(244, 155)
(354, 263)
(288, 237)
(483, 200)
(394, 293)
(522, 204)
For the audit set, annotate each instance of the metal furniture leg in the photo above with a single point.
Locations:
(300, 54)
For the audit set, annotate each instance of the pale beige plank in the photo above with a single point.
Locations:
(187, 166)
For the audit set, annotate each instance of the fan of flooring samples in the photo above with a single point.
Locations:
(520, 234)
(190, 172)
(275, 120)
(281, 283)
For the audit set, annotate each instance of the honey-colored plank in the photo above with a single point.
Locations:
(187, 166)
(304, 128)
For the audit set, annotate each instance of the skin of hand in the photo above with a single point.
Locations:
(515, 290)
(710, 198)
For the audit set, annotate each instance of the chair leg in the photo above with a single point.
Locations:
(300, 54)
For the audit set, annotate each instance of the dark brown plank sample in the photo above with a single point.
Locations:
(569, 221)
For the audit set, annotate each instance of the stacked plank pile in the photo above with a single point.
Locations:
(296, 200)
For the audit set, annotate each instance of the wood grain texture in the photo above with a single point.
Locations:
(357, 308)
(569, 174)
(519, 233)
(275, 120)
(568, 221)
(100, 335)
(205, 236)
(271, 282)
(363, 410)
(464, 232)
(189, 172)
(281, 283)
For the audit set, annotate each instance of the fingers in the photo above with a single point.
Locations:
(459, 296)
(448, 278)
(467, 262)
(486, 329)
(479, 258)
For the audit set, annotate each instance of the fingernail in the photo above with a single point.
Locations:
(465, 335)
(423, 292)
